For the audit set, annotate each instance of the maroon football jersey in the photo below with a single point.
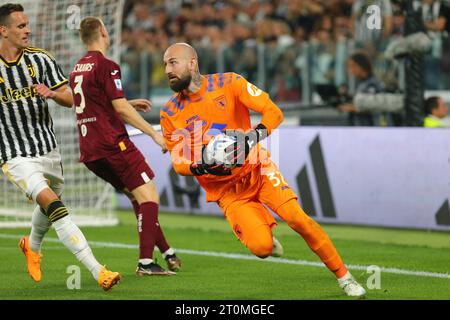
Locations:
(95, 81)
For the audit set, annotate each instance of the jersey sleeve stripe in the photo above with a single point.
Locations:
(54, 78)
(57, 73)
(210, 83)
(59, 85)
(230, 77)
(220, 80)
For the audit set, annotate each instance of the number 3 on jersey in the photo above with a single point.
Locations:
(79, 90)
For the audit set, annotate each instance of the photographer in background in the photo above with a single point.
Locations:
(360, 67)
(371, 104)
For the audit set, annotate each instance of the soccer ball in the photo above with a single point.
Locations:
(217, 147)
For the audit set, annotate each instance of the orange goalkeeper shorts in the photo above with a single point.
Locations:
(243, 205)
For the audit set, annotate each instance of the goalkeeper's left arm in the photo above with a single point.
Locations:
(259, 101)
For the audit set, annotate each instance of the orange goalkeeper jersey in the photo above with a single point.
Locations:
(222, 103)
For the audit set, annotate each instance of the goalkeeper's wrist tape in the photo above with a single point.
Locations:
(196, 169)
(261, 132)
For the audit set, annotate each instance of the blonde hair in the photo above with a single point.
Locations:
(90, 29)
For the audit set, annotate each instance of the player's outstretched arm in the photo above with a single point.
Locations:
(272, 116)
(259, 101)
(61, 95)
(132, 117)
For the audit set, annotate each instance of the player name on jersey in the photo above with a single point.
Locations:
(86, 120)
(83, 67)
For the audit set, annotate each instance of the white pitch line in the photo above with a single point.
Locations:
(239, 256)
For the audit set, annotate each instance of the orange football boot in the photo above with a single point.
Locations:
(33, 259)
(107, 279)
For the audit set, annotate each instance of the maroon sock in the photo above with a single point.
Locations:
(147, 229)
(161, 241)
(135, 207)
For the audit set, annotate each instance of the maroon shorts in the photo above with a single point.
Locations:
(126, 169)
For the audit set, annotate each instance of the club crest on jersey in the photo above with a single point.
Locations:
(253, 90)
(221, 102)
(32, 71)
(118, 84)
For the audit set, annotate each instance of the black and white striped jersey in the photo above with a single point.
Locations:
(26, 127)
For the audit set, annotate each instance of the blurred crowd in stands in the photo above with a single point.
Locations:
(276, 44)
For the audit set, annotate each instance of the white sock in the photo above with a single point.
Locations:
(168, 252)
(145, 261)
(74, 240)
(40, 224)
(346, 276)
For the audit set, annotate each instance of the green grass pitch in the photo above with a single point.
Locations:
(227, 276)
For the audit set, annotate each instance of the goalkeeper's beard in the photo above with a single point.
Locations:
(181, 84)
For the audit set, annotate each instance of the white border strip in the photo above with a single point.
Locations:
(239, 256)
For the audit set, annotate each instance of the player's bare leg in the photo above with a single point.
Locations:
(320, 244)
(145, 202)
(72, 237)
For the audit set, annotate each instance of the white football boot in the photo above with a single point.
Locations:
(277, 249)
(350, 286)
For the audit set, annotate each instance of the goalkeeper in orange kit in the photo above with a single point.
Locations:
(206, 105)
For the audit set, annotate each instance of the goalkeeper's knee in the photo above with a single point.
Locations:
(260, 242)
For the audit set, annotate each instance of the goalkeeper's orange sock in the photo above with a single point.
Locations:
(314, 235)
